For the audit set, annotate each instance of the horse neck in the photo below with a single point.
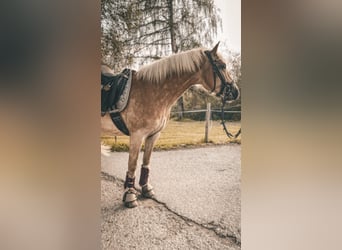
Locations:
(173, 88)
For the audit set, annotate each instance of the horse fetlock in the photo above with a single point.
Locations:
(130, 198)
(147, 191)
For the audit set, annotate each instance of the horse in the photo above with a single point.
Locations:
(154, 89)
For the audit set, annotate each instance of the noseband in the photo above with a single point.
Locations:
(226, 90)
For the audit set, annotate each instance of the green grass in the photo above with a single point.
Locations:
(182, 134)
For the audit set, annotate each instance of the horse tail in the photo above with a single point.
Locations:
(105, 150)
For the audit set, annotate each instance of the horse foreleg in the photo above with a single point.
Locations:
(146, 188)
(130, 195)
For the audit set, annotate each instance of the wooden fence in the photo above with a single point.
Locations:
(208, 115)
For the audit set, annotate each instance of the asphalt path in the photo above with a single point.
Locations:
(197, 203)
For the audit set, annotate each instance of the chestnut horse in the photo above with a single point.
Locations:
(155, 88)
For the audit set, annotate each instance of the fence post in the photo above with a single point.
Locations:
(207, 122)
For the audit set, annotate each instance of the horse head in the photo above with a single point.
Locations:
(217, 78)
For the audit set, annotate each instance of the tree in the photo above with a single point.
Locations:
(119, 20)
(145, 30)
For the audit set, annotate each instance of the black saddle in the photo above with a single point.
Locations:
(112, 87)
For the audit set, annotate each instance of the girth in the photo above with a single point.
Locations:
(119, 123)
(112, 89)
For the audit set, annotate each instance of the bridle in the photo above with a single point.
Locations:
(226, 89)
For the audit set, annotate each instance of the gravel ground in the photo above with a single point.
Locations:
(197, 204)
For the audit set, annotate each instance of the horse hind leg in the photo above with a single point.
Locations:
(146, 188)
(130, 195)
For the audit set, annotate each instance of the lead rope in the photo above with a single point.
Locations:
(224, 125)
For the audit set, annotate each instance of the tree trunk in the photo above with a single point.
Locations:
(180, 102)
(172, 28)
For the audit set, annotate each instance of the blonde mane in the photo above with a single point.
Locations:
(185, 62)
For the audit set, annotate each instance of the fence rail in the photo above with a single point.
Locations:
(204, 110)
(211, 132)
(208, 112)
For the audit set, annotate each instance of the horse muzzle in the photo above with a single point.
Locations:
(229, 92)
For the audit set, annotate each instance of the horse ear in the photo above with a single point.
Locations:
(214, 50)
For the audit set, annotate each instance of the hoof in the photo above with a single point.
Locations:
(130, 198)
(147, 191)
(131, 204)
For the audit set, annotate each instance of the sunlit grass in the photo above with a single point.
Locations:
(181, 135)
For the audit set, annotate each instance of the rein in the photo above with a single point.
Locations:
(224, 93)
(230, 135)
